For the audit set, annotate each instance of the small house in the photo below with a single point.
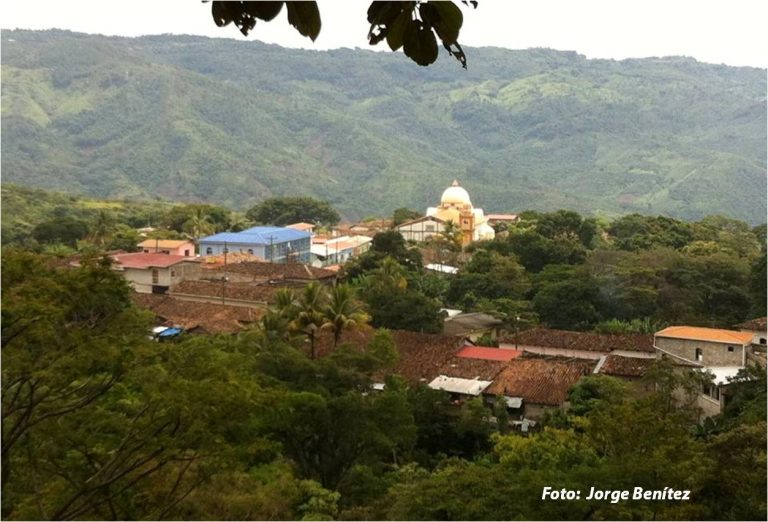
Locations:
(175, 247)
(153, 273)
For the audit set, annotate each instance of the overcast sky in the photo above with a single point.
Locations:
(728, 31)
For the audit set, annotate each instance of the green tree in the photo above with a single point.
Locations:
(65, 230)
(179, 216)
(101, 229)
(403, 214)
(198, 225)
(308, 316)
(566, 298)
(343, 312)
(286, 210)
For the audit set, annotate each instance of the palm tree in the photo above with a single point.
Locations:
(198, 225)
(390, 275)
(285, 303)
(309, 316)
(102, 227)
(343, 312)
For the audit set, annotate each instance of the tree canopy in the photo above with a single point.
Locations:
(286, 210)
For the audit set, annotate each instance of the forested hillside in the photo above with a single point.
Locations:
(197, 119)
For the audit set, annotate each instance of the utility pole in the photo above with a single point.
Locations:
(224, 278)
(517, 320)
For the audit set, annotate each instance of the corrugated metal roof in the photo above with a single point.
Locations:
(722, 373)
(443, 269)
(458, 385)
(258, 236)
(698, 333)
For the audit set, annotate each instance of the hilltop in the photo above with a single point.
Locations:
(197, 119)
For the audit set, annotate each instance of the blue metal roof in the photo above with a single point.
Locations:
(258, 236)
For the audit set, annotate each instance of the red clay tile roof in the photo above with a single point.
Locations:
(705, 334)
(277, 271)
(421, 355)
(241, 291)
(190, 315)
(150, 260)
(540, 380)
(621, 366)
(759, 324)
(488, 354)
(588, 341)
(464, 368)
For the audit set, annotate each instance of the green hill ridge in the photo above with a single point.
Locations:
(196, 119)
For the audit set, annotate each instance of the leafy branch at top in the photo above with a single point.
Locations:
(414, 26)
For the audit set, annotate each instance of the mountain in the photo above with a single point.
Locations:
(223, 121)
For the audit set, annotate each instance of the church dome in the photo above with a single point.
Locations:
(455, 195)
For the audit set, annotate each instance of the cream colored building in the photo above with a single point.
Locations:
(456, 206)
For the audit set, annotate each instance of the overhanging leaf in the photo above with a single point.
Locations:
(448, 21)
(265, 10)
(419, 43)
(397, 30)
(305, 17)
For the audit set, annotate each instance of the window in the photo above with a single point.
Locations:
(250, 251)
(186, 253)
(730, 348)
(155, 276)
(208, 251)
(173, 273)
(762, 340)
(429, 228)
(699, 355)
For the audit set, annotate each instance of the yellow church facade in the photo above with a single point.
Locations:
(456, 206)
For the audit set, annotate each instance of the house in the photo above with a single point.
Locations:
(257, 272)
(338, 250)
(472, 325)
(532, 384)
(303, 227)
(176, 247)
(583, 345)
(758, 328)
(367, 228)
(197, 317)
(722, 353)
(276, 244)
(155, 273)
(502, 219)
(225, 292)
(630, 369)
(704, 347)
(421, 229)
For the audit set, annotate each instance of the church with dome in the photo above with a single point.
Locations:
(455, 206)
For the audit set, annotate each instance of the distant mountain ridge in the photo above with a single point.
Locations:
(197, 119)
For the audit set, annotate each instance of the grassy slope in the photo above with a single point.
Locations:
(230, 122)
